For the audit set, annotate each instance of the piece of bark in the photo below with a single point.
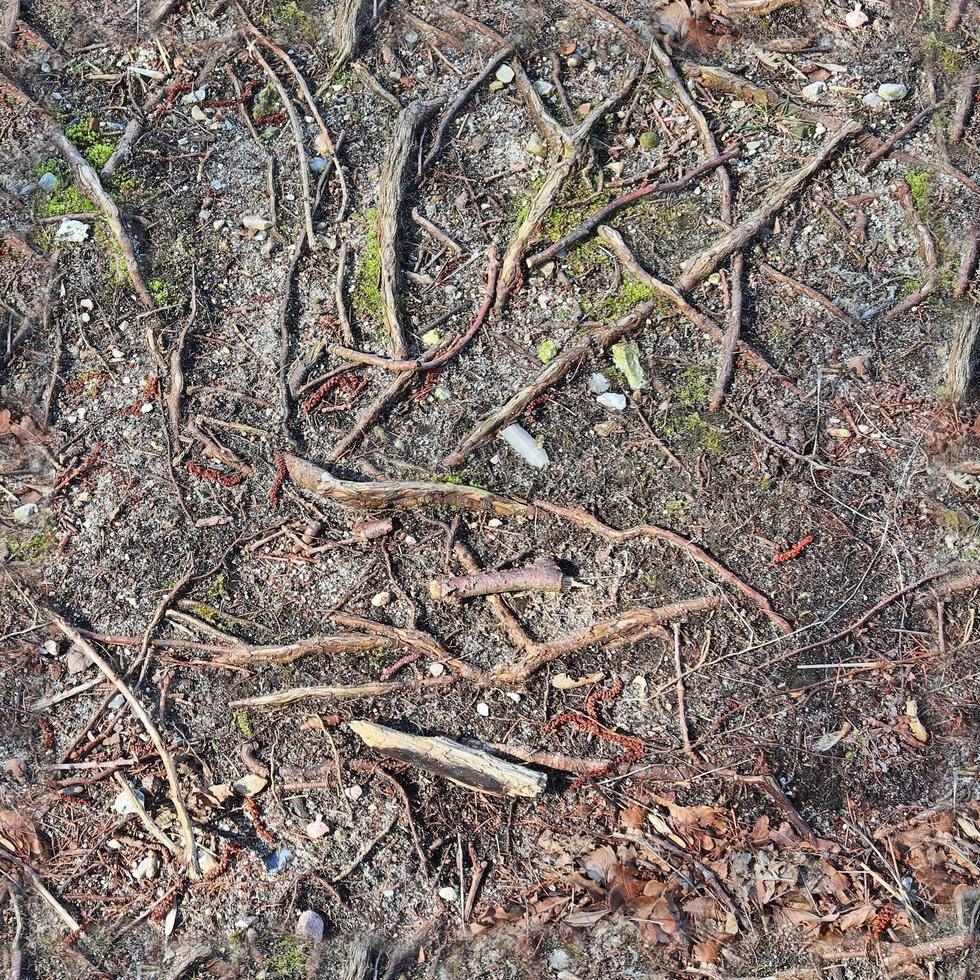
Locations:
(471, 768)
(535, 578)
(386, 494)
(963, 355)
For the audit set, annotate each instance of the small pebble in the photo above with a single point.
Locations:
(449, 894)
(24, 513)
(354, 792)
(381, 599)
(436, 670)
(598, 384)
(892, 91)
(309, 926)
(813, 91)
(255, 222)
(483, 709)
(48, 182)
(318, 165)
(613, 400)
(505, 74)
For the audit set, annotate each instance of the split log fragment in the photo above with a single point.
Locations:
(471, 768)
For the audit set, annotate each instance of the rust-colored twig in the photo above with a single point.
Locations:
(897, 137)
(808, 291)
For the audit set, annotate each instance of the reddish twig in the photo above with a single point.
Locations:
(634, 747)
(282, 473)
(210, 473)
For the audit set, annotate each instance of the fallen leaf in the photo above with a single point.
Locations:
(250, 785)
(916, 727)
(18, 834)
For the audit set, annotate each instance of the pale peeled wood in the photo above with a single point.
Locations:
(471, 768)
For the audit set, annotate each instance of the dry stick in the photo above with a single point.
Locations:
(498, 607)
(681, 710)
(963, 108)
(967, 264)
(255, 656)
(698, 269)
(808, 291)
(927, 249)
(393, 174)
(48, 319)
(190, 844)
(426, 28)
(327, 143)
(718, 79)
(733, 332)
(535, 578)
(897, 137)
(548, 760)
(370, 690)
(340, 300)
(175, 391)
(145, 818)
(296, 126)
(87, 181)
(386, 494)
(8, 23)
(599, 337)
(434, 357)
(628, 624)
(143, 658)
(590, 224)
(572, 146)
(703, 322)
(962, 348)
(134, 128)
(582, 518)
(457, 104)
(42, 889)
(435, 232)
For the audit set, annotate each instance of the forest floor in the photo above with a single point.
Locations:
(339, 384)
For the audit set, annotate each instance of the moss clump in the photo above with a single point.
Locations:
(629, 295)
(64, 198)
(244, 725)
(294, 18)
(949, 58)
(692, 392)
(288, 960)
(33, 549)
(95, 149)
(920, 184)
(367, 290)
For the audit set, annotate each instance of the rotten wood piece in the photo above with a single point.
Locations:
(544, 577)
(386, 494)
(393, 175)
(697, 269)
(468, 767)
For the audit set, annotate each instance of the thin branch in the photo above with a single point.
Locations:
(343, 692)
(808, 291)
(963, 107)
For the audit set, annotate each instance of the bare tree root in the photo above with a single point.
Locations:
(87, 181)
(808, 291)
(597, 337)
(572, 148)
(607, 631)
(963, 107)
(927, 249)
(389, 208)
(701, 320)
(584, 519)
(697, 269)
(386, 494)
(544, 577)
(345, 35)
(371, 689)
(967, 264)
(962, 355)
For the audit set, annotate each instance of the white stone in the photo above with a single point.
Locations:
(612, 400)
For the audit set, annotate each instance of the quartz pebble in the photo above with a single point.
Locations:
(892, 91)
(613, 400)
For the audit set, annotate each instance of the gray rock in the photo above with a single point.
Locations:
(255, 222)
(309, 926)
(892, 91)
(24, 513)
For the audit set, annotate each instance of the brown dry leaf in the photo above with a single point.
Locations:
(584, 918)
(599, 864)
(708, 950)
(788, 915)
(855, 918)
(690, 25)
(18, 834)
(632, 817)
(659, 918)
(623, 885)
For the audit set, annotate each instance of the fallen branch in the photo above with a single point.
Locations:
(703, 322)
(607, 631)
(698, 269)
(536, 578)
(599, 338)
(732, 335)
(594, 220)
(963, 107)
(457, 104)
(87, 181)
(372, 689)
(389, 207)
(897, 137)
(572, 146)
(385, 494)
(584, 519)
(468, 767)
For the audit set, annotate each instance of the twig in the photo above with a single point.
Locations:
(808, 291)
(145, 818)
(371, 689)
(897, 137)
(42, 889)
(604, 632)
(134, 129)
(698, 269)
(435, 232)
(457, 104)
(536, 578)
(365, 851)
(963, 107)
(733, 332)
(48, 319)
(8, 23)
(88, 183)
(615, 241)
(386, 494)
(143, 659)
(681, 711)
(345, 35)
(584, 519)
(571, 145)
(512, 627)
(190, 844)
(297, 129)
(340, 301)
(954, 15)
(594, 220)
(393, 174)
